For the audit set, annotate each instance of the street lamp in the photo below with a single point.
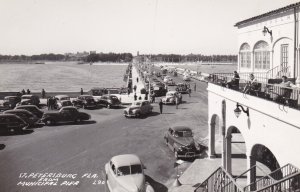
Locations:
(238, 111)
(266, 30)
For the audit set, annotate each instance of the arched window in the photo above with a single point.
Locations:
(245, 56)
(261, 55)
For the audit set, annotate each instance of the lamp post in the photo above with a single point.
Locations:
(238, 111)
(266, 30)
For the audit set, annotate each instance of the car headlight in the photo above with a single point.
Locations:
(180, 148)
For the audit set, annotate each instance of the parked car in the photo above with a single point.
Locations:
(63, 101)
(170, 97)
(65, 114)
(186, 77)
(138, 109)
(31, 108)
(10, 102)
(159, 90)
(29, 100)
(182, 88)
(11, 122)
(125, 173)
(85, 101)
(181, 142)
(25, 115)
(109, 101)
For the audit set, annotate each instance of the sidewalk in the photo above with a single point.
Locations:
(128, 99)
(201, 169)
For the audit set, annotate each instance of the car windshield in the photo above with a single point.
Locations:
(129, 170)
(184, 133)
(10, 99)
(89, 97)
(170, 94)
(26, 97)
(137, 103)
(65, 98)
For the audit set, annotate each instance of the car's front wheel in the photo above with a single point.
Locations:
(49, 122)
(108, 106)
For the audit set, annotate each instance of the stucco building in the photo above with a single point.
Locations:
(270, 127)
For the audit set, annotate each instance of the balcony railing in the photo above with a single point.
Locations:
(219, 181)
(272, 178)
(273, 92)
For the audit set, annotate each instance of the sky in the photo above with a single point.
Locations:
(148, 26)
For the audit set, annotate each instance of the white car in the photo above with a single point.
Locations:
(170, 97)
(167, 79)
(138, 109)
(186, 77)
(63, 101)
(125, 173)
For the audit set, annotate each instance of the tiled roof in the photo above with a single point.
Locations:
(291, 6)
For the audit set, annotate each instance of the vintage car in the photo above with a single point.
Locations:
(85, 101)
(138, 109)
(11, 122)
(170, 97)
(159, 90)
(109, 101)
(65, 114)
(186, 77)
(31, 108)
(29, 100)
(125, 173)
(182, 88)
(62, 101)
(25, 115)
(181, 142)
(10, 102)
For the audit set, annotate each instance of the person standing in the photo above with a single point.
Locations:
(195, 87)
(128, 92)
(137, 79)
(160, 106)
(134, 88)
(43, 93)
(81, 91)
(23, 92)
(28, 91)
(49, 103)
(176, 102)
(135, 97)
(190, 91)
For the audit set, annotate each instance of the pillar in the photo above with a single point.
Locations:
(212, 140)
(223, 148)
(251, 175)
(228, 154)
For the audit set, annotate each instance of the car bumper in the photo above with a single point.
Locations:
(188, 155)
(168, 102)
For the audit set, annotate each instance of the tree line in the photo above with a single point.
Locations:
(111, 57)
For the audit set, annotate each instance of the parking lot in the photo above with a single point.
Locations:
(84, 148)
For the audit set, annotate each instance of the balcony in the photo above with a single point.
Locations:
(271, 99)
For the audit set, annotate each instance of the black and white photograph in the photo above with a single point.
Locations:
(150, 96)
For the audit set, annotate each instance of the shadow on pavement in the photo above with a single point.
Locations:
(158, 187)
(73, 123)
(2, 146)
(25, 132)
(168, 113)
(153, 114)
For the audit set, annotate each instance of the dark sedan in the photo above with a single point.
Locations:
(181, 142)
(10, 102)
(85, 101)
(65, 114)
(25, 115)
(110, 101)
(10, 122)
(33, 109)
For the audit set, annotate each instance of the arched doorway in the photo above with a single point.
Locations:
(214, 134)
(235, 151)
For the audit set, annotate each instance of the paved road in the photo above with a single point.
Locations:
(85, 148)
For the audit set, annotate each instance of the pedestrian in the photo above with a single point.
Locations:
(134, 88)
(137, 79)
(195, 87)
(140, 97)
(28, 91)
(128, 92)
(23, 92)
(160, 106)
(146, 95)
(81, 91)
(135, 97)
(190, 91)
(176, 102)
(43, 93)
(48, 103)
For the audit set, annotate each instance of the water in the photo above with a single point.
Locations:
(60, 76)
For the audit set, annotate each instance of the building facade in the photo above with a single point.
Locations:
(268, 48)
